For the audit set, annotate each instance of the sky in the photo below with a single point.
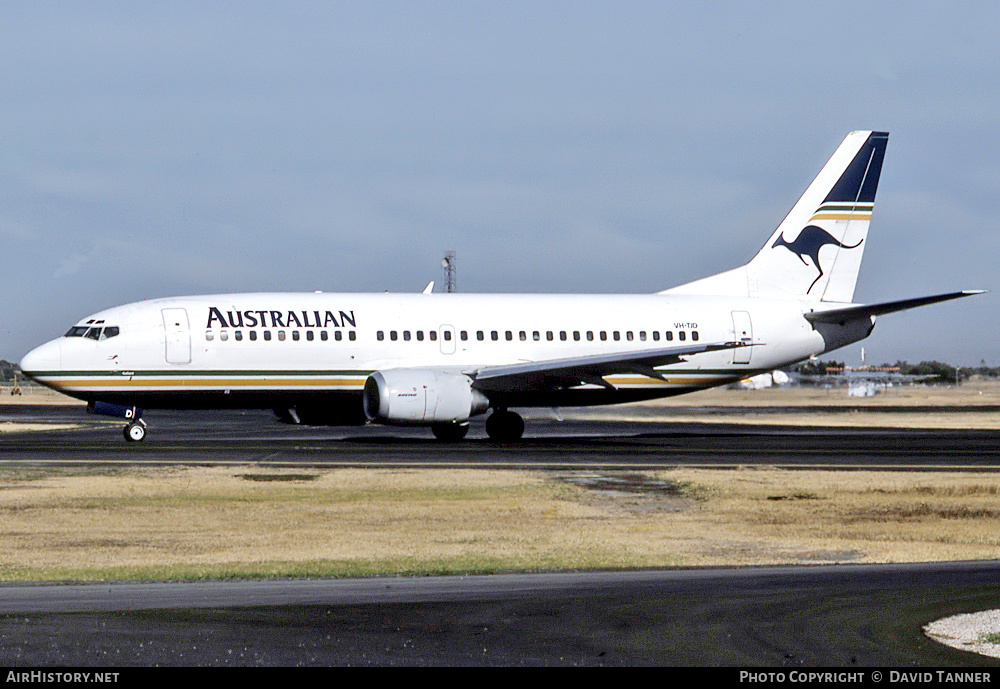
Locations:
(162, 149)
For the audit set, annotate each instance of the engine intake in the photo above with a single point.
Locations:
(421, 396)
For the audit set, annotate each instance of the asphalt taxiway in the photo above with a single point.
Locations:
(844, 616)
(858, 615)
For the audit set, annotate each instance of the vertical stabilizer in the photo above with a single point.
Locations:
(816, 251)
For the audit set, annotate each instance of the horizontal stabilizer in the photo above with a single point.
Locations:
(851, 313)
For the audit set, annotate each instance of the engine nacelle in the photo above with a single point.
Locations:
(421, 396)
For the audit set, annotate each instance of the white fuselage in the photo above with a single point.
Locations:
(279, 349)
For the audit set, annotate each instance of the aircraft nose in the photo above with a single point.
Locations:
(48, 357)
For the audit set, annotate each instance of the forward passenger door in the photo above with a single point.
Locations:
(177, 334)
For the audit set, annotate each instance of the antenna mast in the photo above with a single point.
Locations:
(448, 263)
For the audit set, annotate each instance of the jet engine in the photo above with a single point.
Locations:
(421, 397)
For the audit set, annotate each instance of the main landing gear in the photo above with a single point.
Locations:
(450, 432)
(504, 426)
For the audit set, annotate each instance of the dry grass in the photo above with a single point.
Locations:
(908, 406)
(32, 393)
(221, 522)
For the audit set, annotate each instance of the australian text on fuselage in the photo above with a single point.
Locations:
(271, 318)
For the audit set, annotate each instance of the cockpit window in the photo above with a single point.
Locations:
(95, 332)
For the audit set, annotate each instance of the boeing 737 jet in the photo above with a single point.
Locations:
(439, 359)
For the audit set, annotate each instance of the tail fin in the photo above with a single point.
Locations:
(816, 250)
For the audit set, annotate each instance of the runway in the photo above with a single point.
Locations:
(860, 615)
(254, 436)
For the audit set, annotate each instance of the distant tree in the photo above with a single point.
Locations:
(7, 370)
(936, 372)
(819, 368)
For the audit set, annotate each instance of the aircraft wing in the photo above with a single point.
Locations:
(569, 372)
(851, 313)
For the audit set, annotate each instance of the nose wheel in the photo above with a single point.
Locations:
(135, 432)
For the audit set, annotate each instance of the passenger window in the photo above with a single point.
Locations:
(224, 335)
(295, 335)
(523, 336)
(494, 335)
(420, 336)
(238, 335)
(694, 335)
(628, 335)
(267, 335)
(447, 335)
(352, 336)
(406, 335)
(433, 335)
(380, 336)
(590, 335)
(509, 335)
(281, 335)
(536, 336)
(682, 336)
(576, 335)
(480, 335)
(670, 335)
(604, 335)
(310, 335)
(549, 336)
(323, 336)
(642, 335)
(464, 335)
(617, 335)
(562, 335)
(656, 335)
(253, 335)
(209, 335)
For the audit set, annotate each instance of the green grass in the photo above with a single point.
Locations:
(305, 570)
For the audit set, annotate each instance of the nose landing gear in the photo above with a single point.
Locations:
(135, 432)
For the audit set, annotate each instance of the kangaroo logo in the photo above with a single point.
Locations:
(810, 240)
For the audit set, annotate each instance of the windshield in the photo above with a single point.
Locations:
(94, 332)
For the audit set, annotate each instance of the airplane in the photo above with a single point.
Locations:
(438, 359)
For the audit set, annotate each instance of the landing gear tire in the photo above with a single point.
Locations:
(134, 432)
(504, 426)
(450, 432)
